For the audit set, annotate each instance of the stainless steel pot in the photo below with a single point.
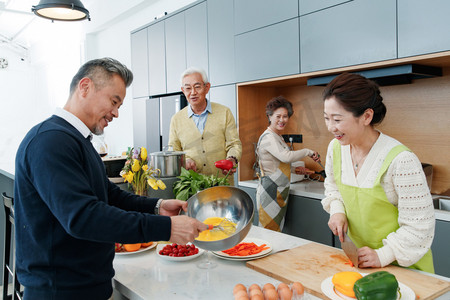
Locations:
(169, 162)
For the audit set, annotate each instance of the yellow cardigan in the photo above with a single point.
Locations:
(219, 139)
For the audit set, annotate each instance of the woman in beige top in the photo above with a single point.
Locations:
(275, 158)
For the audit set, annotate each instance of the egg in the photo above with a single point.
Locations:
(270, 294)
(255, 291)
(241, 294)
(281, 286)
(254, 286)
(257, 297)
(298, 289)
(268, 286)
(284, 293)
(242, 298)
(239, 287)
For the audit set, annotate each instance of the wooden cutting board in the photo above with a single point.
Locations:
(312, 263)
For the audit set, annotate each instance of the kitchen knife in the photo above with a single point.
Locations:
(350, 250)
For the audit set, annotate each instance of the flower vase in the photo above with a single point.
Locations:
(140, 191)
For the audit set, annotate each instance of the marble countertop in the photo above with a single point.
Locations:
(146, 276)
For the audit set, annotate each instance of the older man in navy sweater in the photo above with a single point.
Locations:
(68, 214)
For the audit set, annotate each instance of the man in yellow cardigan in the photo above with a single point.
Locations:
(205, 130)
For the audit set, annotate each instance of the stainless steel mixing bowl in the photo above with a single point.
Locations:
(224, 202)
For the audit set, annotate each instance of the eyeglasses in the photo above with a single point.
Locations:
(197, 87)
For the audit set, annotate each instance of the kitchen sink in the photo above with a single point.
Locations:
(442, 203)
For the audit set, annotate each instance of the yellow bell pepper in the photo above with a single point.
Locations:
(344, 282)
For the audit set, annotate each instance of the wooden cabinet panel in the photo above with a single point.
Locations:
(196, 37)
(423, 27)
(309, 6)
(268, 52)
(175, 51)
(139, 63)
(253, 14)
(353, 33)
(157, 59)
(221, 42)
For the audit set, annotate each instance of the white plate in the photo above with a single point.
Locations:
(329, 291)
(258, 242)
(182, 258)
(140, 250)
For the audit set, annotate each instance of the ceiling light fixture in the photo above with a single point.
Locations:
(61, 10)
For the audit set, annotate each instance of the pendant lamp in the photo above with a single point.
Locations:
(61, 10)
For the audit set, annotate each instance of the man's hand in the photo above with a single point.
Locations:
(172, 207)
(185, 229)
(232, 170)
(190, 165)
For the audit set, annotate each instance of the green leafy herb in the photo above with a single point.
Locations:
(192, 182)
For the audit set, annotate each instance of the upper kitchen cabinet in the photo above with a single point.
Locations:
(352, 33)
(221, 42)
(423, 27)
(253, 14)
(268, 52)
(175, 51)
(139, 63)
(196, 37)
(309, 6)
(156, 58)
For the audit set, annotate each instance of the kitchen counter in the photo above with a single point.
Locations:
(146, 276)
(316, 190)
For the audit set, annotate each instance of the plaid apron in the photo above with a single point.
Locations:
(272, 195)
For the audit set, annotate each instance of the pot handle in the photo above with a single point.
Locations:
(167, 148)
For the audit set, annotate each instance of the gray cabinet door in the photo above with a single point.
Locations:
(139, 63)
(196, 37)
(253, 14)
(252, 193)
(175, 51)
(221, 42)
(440, 248)
(309, 6)
(268, 52)
(305, 218)
(353, 33)
(225, 95)
(156, 59)
(423, 27)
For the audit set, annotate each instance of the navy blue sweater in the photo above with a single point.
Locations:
(68, 216)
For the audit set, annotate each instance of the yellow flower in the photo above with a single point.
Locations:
(152, 182)
(136, 166)
(129, 176)
(143, 153)
(145, 168)
(161, 184)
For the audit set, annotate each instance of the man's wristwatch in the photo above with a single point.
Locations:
(235, 159)
(157, 206)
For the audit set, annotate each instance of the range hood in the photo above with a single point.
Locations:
(388, 76)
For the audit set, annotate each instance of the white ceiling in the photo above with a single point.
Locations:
(20, 28)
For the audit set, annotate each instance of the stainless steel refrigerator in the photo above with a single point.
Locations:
(151, 120)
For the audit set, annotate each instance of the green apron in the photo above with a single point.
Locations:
(371, 217)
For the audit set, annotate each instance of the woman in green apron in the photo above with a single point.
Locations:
(274, 159)
(375, 188)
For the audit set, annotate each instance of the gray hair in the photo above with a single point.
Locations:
(100, 71)
(194, 70)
